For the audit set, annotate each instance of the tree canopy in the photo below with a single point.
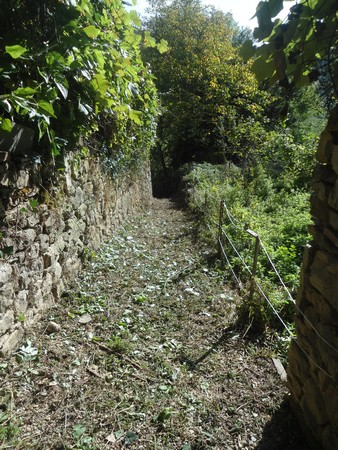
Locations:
(212, 107)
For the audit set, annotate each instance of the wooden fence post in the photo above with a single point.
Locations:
(220, 232)
(254, 264)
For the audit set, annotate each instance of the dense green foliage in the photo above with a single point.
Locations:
(212, 107)
(271, 198)
(298, 51)
(74, 67)
(259, 205)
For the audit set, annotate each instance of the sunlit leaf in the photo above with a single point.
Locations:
(47, 108)
(91, 31)
(15, 51)
(135, 18)
(27, 91)
(6, 125)
(135, 116)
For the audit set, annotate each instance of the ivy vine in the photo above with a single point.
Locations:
(74, 67)
(295, 51)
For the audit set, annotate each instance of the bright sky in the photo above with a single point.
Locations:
(242, 10)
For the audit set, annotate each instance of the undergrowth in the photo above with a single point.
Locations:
(278, 215)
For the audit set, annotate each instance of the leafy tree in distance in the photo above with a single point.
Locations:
(212, 108)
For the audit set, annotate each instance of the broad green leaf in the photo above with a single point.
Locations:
(99, 58)
(162, 47)
(23, 92)
(72, 24)
(275, 7)
(63, 87)
(247, 50)
(135, 18)
(101, 83)
(6, 125)
(91, 31)
(135, 116)
(265, 25)
(15, 51)
(46, 108)
(149, 41)
(263, 69)
(55, 58)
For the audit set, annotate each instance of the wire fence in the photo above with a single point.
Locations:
(231, 254)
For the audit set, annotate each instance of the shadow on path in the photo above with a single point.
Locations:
(282, 432)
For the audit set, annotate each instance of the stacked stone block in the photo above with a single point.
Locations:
(48, 240)
(313, 357)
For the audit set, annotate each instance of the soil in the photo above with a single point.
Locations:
(142, 352)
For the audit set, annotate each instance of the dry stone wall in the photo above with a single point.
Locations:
(43, 242)
(313, 357)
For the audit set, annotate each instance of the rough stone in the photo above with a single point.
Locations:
(297, 360)
(334, 158)
(5, 273)
(313, 374)
(10, 342)
(329, 438)
(322, 190)
(323, 276)
(333, 219)
(81, 211)
(324, 151)
(333, 197)
(49, 257)
(331, 404)
(321, 305)
(320, 209)
(21, 302)
(20, 257)
(19, 140)
(53, 327)
(22, 180)
(44, 242)
(33, 220)
(26, 237)
(34, 251)
(331, 235)
(48, 243)
(6, 321)
(56, 272)
(6, 297)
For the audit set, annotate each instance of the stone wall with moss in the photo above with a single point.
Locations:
(313, 357)
(46, 233)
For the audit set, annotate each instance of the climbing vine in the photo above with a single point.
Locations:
(73, 67)
(297, 51)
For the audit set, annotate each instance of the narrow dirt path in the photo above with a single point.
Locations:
(141, 354)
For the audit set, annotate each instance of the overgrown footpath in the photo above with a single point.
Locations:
(142, 353)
